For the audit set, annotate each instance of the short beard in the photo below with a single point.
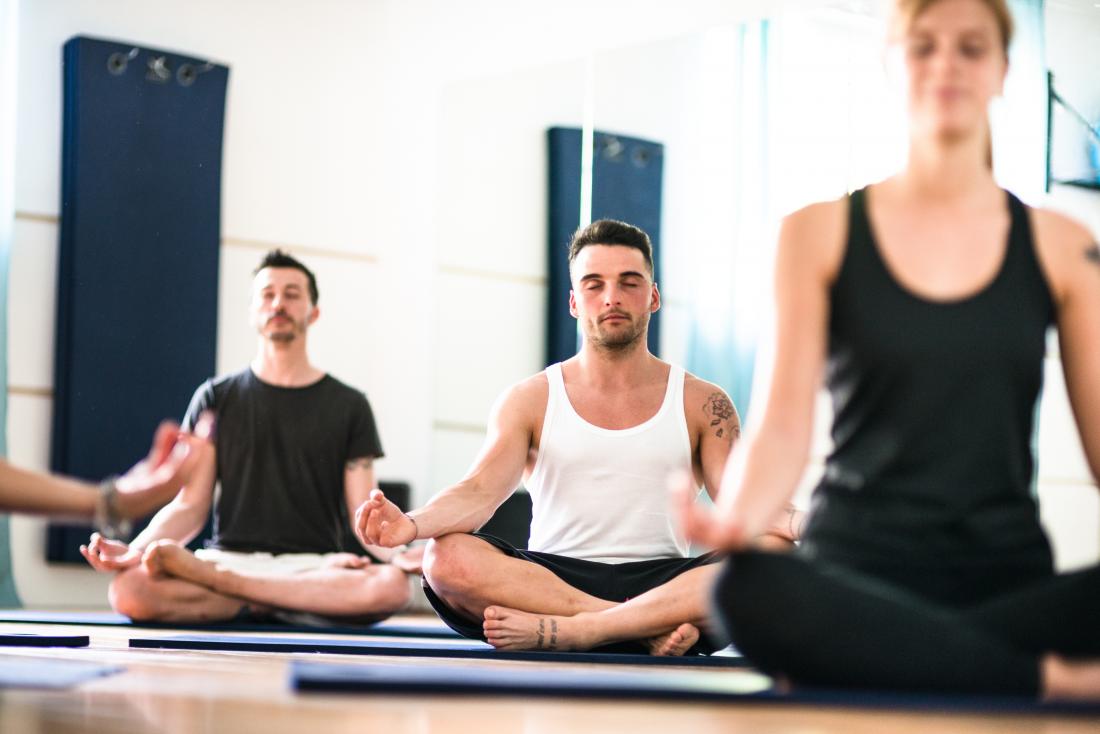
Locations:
(283, 337)
(620, 342)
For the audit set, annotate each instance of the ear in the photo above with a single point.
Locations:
(314, 315)
(654, 300)
(572, 304)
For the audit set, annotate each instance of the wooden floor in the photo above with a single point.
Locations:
(194, 692)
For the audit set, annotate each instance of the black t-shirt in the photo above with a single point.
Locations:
(282, 453)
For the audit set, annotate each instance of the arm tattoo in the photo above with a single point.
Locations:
(1092, 254)
(363, 462)
(722, 416)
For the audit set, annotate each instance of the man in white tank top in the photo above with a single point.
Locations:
(594, 440)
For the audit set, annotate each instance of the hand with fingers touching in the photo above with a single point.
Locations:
(703, 525)
(110, 556)
(380, 522)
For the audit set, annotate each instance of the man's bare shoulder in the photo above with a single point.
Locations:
(708, 407)
(525, 401)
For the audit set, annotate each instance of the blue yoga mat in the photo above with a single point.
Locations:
(729, 686)
(111, 619)
(29, 640)
(407, 648)
(17, 672)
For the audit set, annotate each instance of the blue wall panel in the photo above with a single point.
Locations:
(138, 257)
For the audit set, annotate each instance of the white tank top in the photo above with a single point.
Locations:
(602, 495)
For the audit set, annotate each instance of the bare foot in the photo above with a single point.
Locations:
(510, 629)
(1070, 680)
(677, 642)
(165, 558)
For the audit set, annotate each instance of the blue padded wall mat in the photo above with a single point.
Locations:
(137, 287)
(728, 686)
(385, 628)
(627, 175)
(469, 649)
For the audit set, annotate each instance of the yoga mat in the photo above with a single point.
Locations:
(111, 619)
(16, 672)
(29, 640)
(731, 686)
(406, 648)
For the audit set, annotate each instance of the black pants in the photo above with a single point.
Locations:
(826, 625)
(615, 582)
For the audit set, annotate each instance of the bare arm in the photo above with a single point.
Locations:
(183, 517)
(359, 480)
(467, 505)
(1072, 258)
(148, 485)
(762, 474)
(719, 430)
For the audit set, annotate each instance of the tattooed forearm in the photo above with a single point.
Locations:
(363, 462)
(1092, 254)
(722, 416)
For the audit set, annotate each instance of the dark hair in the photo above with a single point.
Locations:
(612, 232)
(280, 259)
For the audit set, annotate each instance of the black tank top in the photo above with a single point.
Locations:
(934, 407)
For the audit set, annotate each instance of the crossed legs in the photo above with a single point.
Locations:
(842, 629)
(522, 605)
(172, 585)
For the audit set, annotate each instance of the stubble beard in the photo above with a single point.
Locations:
(620, 341)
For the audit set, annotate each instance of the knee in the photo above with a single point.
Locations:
(742, 596)
(448, 565)
(131, 593)
(393, 588)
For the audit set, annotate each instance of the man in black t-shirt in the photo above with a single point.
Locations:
(293, 458)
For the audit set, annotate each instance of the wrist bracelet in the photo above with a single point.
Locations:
(107, 518)
(416, 528)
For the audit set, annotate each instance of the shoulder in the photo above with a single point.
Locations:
(340, 389)
(527, 394)
(1062, 245)
(230, 381)
(707, 404)
(698, 390)
(814, 236)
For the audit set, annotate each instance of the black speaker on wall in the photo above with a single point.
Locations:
(626, 185)
(138, 255)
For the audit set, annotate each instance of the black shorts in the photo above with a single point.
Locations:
(617, 582)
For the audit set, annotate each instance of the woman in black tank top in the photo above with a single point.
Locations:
(925, 302)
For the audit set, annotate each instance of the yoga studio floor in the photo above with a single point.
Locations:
(157, 690)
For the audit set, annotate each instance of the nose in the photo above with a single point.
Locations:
(612, 295)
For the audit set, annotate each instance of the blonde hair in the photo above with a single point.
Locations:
(907, 11)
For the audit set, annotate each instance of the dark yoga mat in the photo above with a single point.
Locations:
(406, 648)
(111, 619)
(730, 686)
(16, 672)
(29, 640)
